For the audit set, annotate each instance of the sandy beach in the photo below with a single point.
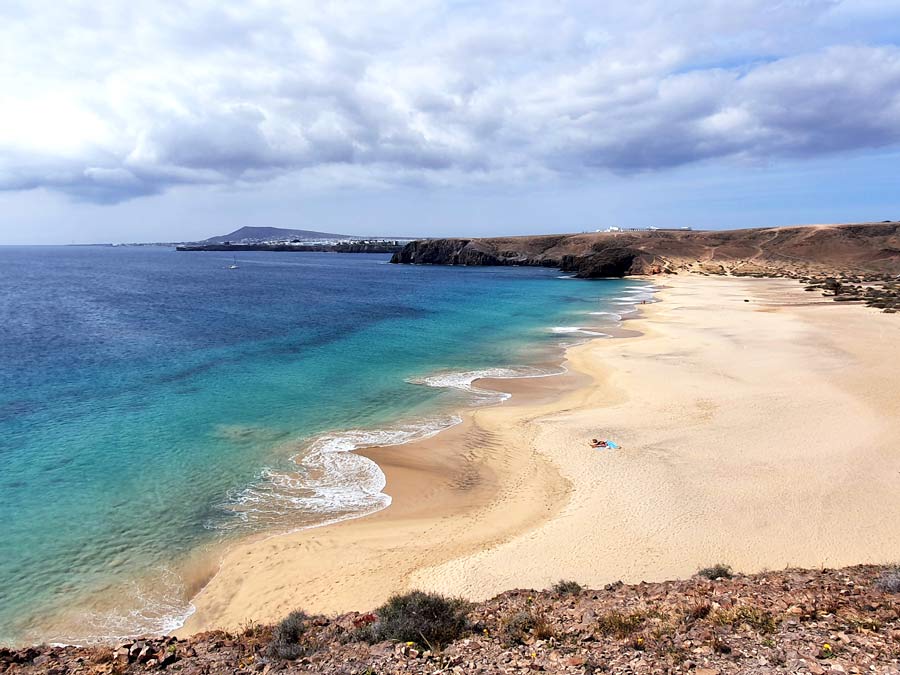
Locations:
(758, 426)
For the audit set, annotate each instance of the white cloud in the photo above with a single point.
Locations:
(107, 101)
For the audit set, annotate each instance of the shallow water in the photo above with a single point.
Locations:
(154, 403)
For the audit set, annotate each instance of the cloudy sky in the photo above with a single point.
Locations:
(137, 121)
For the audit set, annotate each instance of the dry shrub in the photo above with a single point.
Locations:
(717, 571)
(523, 627)
(564, 587)
(288, 637)
(620, 624)
(758, 619)
(698, 610)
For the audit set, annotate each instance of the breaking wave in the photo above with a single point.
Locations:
(329, 482)
(463, 381)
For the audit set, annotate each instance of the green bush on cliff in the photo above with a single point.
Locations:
(430, 620)
(287, 638)
(564, 587)
(717, 571)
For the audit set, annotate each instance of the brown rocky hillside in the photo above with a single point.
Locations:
(792, 621)
(792, 251)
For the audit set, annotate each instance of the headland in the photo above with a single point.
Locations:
(853, 262)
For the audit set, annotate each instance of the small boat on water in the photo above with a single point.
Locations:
(233, 265)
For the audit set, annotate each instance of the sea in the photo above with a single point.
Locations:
(156, 405)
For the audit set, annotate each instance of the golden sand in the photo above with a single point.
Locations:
(762, 434)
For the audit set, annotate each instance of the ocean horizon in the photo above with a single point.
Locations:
(157, 406)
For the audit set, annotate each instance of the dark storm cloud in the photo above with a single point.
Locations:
(131, 100)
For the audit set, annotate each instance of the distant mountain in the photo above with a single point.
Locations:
(272, 233)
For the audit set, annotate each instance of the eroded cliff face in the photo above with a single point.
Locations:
(610, 261)
(445, 252)
(788, 251)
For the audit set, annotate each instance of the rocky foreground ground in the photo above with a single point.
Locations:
(792, 621)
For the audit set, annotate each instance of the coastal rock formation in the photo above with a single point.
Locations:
(550, 251)
(786, 251)
(791, 621)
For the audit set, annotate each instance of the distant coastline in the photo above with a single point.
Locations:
(342, 247)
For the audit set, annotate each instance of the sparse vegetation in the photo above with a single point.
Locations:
(717, 571)
(752, 623)
(428, 619)
(889, 581)
(859, 623)
(620, 624)
(287, 638)
(698, 610)
(523, 627)
(564, 587)
(756, 618)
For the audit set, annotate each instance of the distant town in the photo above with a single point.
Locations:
(283, 239)
(646, 229)
(278, 239)
(322, 245)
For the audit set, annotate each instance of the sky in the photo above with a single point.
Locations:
(175, 121)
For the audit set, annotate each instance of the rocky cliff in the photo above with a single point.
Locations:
(791, 251)
(550, 251)
(790, 621)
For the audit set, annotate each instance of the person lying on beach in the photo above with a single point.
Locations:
(597, 444)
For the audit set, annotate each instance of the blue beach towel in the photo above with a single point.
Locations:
(610, 444)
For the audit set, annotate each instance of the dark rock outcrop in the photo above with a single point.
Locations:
(446, 252)
(609, 262)
(612, 261)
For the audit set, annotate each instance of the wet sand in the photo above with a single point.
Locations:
(762, 434)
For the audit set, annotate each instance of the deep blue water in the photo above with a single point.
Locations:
(151, 403)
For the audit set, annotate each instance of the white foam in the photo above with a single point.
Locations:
(154, 607)
(331, 483)
(635, 294)
(566, 276)
(575, 330)
(463, 381)
(615, 316)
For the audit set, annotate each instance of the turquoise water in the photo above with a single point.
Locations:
(155, 404)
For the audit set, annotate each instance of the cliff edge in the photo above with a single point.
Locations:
(790, 621)
(783, 251)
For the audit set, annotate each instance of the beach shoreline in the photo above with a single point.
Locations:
(513, 497)
(339, 467)
(456, 471)
(427, 478)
